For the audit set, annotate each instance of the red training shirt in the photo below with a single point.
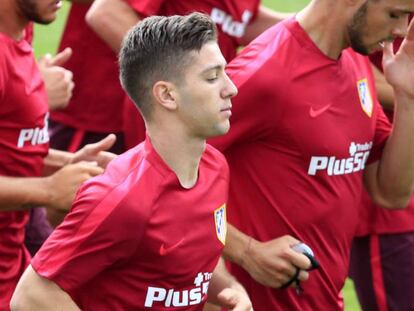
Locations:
(136, 238)
(303, 127)
(96, 104)
(23, 145)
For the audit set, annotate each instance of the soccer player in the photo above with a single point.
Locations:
(94, 110)
(238, 22)
(382, 254)
(149, 232)
(307, 130)
(24, 142)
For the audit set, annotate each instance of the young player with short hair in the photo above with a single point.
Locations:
(149, 232)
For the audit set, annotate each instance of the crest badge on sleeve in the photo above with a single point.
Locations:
(220, 220)
(365, 96)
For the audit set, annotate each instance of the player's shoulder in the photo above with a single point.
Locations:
(126, 190)
(273, 45)
(214, 159)
(125, 175)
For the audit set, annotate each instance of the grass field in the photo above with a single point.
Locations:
(46, 41)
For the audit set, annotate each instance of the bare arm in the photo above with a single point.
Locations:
(225, 291)
(265, 19)
(111, 20)
(56, 191)
(385, 91)
(272, 263)
(34, 292)
(390, 181)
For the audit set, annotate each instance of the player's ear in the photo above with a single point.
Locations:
(164, 94)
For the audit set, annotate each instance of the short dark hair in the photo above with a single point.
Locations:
(157, 49)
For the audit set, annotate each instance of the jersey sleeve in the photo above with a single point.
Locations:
(382, 132)
(146, 8)
(101, 230)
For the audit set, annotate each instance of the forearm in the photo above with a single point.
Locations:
(23, 193)
(395, 173)
(385, 91)
(36, 293)
(111, 20)
(221, 280)
(265, 18)
(237, 244)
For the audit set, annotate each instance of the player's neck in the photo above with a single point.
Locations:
(324, 22)
(11, 24)
(181, 153)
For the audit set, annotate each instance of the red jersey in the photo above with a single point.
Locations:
(303, 128)
(23, 145)
(380, 220)
(97, 97)
(135, 238)
(231, 18)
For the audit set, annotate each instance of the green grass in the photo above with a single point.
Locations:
(46, 41)
(47, 37)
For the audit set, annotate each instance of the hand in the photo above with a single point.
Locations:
(63, 184)
(235, 299)
(399, 67)
(58, 80)
(96, 152)
(274, 263)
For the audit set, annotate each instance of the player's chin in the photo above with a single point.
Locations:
(220, 129)
(47, 19)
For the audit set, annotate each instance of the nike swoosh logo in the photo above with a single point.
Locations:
(317, 112)
(164, 251)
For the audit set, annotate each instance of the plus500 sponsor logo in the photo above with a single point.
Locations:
(34, 136)
(230, 26)
(171, 298)
(359, 154)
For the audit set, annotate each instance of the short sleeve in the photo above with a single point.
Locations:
(101, 230)
(146, 8)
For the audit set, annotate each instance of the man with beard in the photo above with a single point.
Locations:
(382, 253)
(24, 141)
(307, 131)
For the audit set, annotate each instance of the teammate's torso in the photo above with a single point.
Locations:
(96, 104)
(303, 155)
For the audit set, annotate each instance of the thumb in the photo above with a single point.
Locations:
(61, 58)
(388, 52)
(103, 144)
(45, 60)
(227, 298)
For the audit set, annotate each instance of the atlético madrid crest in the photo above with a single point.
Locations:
(365, 96)
(220, 220)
